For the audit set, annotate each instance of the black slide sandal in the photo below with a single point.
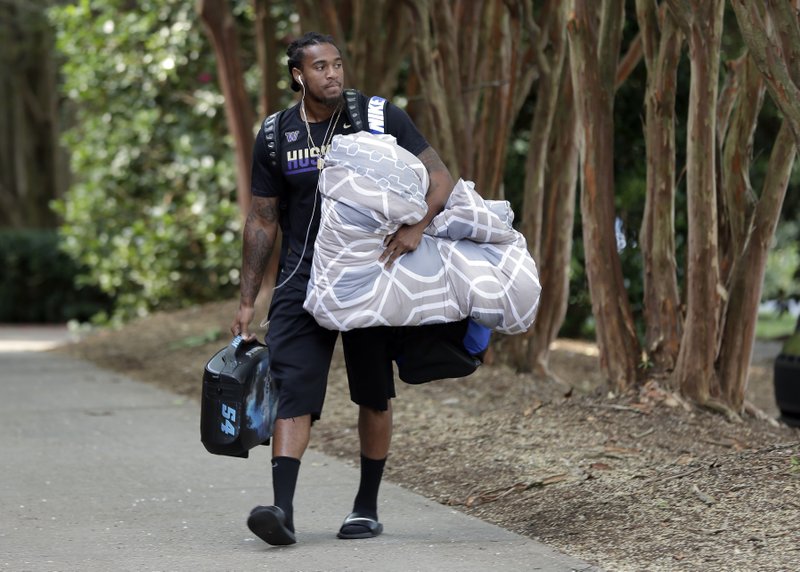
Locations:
(269, 524)
(365, 527)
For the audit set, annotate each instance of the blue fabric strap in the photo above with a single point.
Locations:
(477, 337)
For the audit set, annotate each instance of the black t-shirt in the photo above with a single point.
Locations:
(296, 184)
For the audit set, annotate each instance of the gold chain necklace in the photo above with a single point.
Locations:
(326, 140)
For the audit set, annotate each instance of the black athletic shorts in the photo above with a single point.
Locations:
(300, 353)
(369, 353)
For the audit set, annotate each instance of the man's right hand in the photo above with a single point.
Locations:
(260, 231)
(241, 323)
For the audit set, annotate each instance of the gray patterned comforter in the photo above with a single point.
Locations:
(470, 263)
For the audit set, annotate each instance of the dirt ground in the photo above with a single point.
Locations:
(634, 482)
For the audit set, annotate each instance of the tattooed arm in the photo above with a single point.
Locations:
(260, 232)
(408, 237)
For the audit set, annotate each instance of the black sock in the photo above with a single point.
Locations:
(284, 479)
(366, 502)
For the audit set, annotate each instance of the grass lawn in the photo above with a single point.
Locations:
(770, 326)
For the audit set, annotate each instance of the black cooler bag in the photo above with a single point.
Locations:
(239, 401)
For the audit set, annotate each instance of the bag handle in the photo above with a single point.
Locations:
(236, 347)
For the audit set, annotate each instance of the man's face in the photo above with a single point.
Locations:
(323, 73)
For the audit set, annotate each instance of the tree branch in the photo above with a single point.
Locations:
(737, 195)
(768, 55)
(608, 42)
(649, 29)
(784, 17)
(682, 12)
(629, 61)
(727, 96)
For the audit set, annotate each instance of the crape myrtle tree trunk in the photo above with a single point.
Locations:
(239, 112)
(747, 273)
(594, 41)
(221, 28)
(556, 236)
(553, 99)
(267, 53)
(374, 38)
(474, 64)
(772, 34)
(548, 90)
(33, 169)
(549, 213)
(730, 226)
(747, 223)
(736, 125)
(661, 40)
(694, 374)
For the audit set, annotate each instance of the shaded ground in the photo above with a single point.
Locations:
(636, 482)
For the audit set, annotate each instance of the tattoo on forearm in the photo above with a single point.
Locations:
(431, 160)
(264, 210)
(257, 248)
(441, 183)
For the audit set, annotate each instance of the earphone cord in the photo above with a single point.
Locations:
(265, 321)
(305, 242)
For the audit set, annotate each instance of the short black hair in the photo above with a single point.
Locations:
(296, 48)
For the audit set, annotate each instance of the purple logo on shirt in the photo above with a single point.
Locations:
(291, 136)
(303, 160)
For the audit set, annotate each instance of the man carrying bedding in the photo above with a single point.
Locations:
(285, 173)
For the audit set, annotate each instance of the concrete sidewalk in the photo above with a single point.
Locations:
(101, 472)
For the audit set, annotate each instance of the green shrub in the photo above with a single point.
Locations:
(38, 281)
(791, 347)
(152, 214)
(783, 266)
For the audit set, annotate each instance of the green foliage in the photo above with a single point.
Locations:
(38, 283)
(783, 262)
(771, 325)
(152, 214)
(194, 341)
(791, 347)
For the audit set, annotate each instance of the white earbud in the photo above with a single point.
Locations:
(300, 80)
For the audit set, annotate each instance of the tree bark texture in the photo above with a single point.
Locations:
(772, 34)
(629, 61)
(267, 54)
(550, 237)
(532, 354)
(473, 96)
(556, 241)
(374, 38)
(594, 51)
(239, 113)
(694, 372)
(221, 27)
(432, 88)
(32, 163)
(737, 196)
(748, 274)
(661, 39)
(547, 94)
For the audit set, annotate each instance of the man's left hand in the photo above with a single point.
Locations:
(406, 239)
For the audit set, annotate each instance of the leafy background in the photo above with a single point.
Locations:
(150, 217)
